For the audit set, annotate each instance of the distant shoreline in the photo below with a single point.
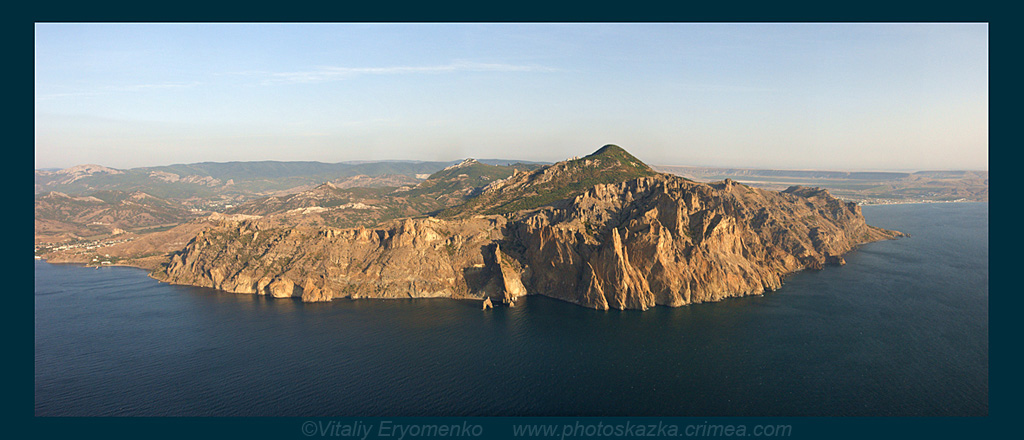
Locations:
(922, 202)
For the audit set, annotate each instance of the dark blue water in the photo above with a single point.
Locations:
(902, 329)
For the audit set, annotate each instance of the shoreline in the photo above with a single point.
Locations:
(923, 202)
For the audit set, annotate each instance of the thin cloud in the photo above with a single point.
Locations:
(325, 74)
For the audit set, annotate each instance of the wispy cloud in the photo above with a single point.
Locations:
(325, 74)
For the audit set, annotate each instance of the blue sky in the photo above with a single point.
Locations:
(800, 95)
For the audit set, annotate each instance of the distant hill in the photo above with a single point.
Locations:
(104, 212)
(208, 179)
(461, 180)
(512, 163)
(859, 186)
(335, 206)
(814, 174)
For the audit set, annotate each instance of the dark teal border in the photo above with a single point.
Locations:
(1004, 104)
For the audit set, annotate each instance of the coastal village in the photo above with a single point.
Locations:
(83, 246)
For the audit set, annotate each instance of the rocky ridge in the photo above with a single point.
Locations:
(651, 240)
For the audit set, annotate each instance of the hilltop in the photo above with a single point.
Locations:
(549, 184)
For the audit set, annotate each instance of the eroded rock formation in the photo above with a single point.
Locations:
(655, 240)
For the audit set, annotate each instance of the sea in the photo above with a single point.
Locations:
(900, 330)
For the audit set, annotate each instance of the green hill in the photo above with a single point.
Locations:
(461, 179)
(549, 184)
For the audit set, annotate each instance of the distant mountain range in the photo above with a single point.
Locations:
(233, 180)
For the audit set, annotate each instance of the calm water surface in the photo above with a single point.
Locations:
(902, 329)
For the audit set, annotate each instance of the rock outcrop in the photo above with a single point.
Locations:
(664, 240)
(410, 258)
(648, 241)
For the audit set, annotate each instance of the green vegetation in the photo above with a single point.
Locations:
(469, 175)
(617, 154)
(153, 229)
(589, 228)
(610, 164)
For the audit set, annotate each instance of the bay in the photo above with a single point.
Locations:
(900, 330)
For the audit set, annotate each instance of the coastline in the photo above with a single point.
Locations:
(919, 202)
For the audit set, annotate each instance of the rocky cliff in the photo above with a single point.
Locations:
(646, 241)
(663, 240)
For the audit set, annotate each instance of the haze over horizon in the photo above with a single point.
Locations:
(883, 96)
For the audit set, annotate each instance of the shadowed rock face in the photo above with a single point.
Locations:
(655, 240)
(666, 241)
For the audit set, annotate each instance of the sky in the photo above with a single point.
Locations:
(837, 96)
